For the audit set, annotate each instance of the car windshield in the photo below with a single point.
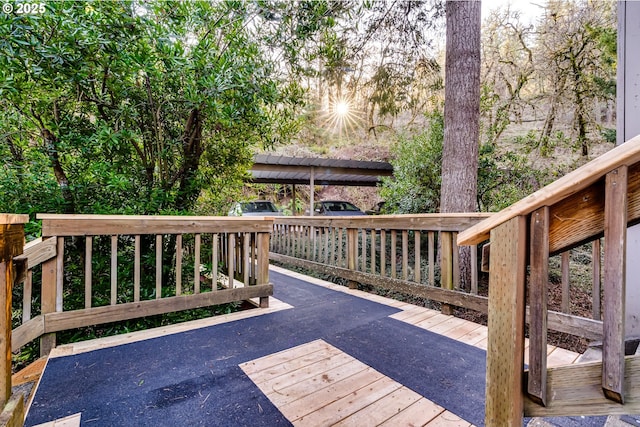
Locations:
(259, 207)
(340, 206)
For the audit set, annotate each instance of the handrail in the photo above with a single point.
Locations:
(561, 189)
(599, 199)
(395, 252)
(133, 266)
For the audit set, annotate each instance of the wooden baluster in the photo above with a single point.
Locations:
(231, 253)
(196, 264)
(373, 251)
(114, 270)
(474, 270)
(363, 261)
(394, 261)
(383, 253)
(88, 249)
(246, 255)
(566, 283)
(596, 263)
(26, 298)
(416, 250)
(158, 266)
(405, 254)
(539, 278)
(136, 269)
(432, 258)
(214, 261)
(179, 264)
(505, 345)
(455, 258)
(615, 247)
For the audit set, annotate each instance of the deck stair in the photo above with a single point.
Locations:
(596, 201)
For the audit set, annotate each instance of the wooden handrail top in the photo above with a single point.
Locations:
(95, 225)
(626, 154)
(431, 222)
(13, 219)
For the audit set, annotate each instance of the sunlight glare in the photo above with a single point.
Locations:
(342, 108)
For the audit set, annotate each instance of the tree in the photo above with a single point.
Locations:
(507, 71)
(136, 107)
(461, 116)
(576, 65)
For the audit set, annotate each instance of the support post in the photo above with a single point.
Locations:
(615, 247)
(538, 280)
(505, 347)
(352, 253)
(446, 267)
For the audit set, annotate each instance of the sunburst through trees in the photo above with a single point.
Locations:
(342, 117)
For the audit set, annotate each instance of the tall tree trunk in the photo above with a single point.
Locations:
(461, 117)
(51, 145)
(192, 151)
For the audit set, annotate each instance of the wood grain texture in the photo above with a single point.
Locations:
(79, 225)
(615, 255)
(576, 390)
(505, 349)
(538, 280)
(579, 179)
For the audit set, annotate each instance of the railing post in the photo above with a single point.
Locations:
(539, 278)
(11, 245)
(263, 265)
(615, 247)
(352, 253)
(49, 292)
(446, 267)
(505, 347)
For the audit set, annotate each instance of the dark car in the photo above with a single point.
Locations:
(257, 208)
(336, 208)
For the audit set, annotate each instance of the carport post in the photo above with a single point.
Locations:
(312, 189)
(293, 199)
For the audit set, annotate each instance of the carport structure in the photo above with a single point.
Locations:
(275, 169)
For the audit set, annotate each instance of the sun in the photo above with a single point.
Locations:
(342, 115)
(341, 108)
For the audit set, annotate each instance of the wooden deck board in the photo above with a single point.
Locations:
(339, 390)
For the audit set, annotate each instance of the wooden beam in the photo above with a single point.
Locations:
(538, 280)
(80, 225)
(505, 348)
(54, 322)
(615, 246)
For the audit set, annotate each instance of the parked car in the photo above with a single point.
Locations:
(336, 208)
(377, 209)
(255, 208)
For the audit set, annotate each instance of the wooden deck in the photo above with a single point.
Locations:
(317, 384)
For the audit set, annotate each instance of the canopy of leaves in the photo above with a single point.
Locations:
(135, 107)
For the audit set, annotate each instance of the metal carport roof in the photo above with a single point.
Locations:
(275, 169)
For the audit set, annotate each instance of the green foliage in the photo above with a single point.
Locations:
(503, 178)
(127, 107)
(417, 169)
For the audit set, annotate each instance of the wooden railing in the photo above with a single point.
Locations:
(95, 269)
(11, 246)
(600, 199)
(413, 254)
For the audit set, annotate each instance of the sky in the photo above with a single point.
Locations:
(530, 9)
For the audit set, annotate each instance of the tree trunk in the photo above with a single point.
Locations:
(51, 145)
(461, 117)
